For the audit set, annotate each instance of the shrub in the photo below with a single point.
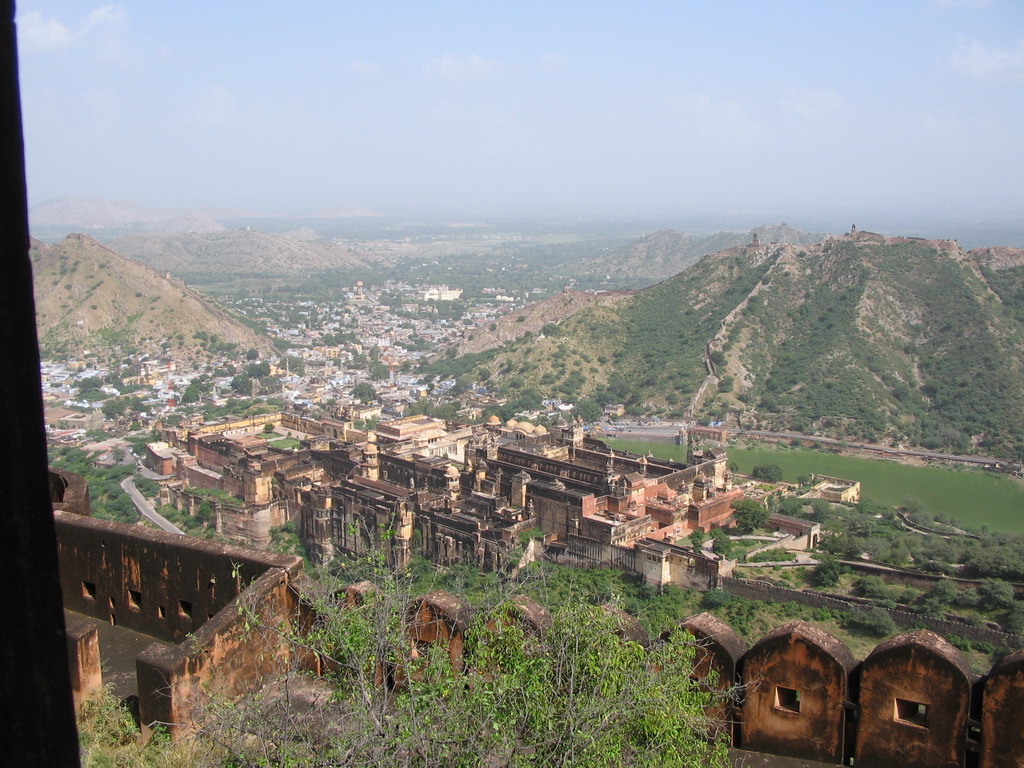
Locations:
(874, 620)
(715, 598)
(827, 572)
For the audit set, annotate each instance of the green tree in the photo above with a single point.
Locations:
(769, 473)
(876, 621)
(724, 546)
(588, 409)
(827, 572)
(363, 392)
(749, 515)
(994, 594)
(257, 370)
(89, 383)
(697, 538)
(242, 384)
(1013, 621)
(821, 510)
(939, 598)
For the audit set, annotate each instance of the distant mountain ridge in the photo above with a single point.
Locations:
(904, 340)
(90, 296)
(235, 251)
(111, 217)
(95, 213)
(667, 252)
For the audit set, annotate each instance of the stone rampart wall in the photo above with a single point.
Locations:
(161, 584)
(798, 693)
(220, 606)
(229, 654)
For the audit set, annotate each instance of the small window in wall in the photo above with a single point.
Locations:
(787, 699)
(89, 590)
(161, 611)
(134, 599)
(185, 608)
(913, 712)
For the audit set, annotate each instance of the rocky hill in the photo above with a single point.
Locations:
(666, 252)
(533, 318)
(886, 339)
(237, 251)
(90, 296)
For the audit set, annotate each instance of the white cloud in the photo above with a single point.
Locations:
(980, 60)
(104, 17)
(37, 34)
(471, 68)
(813, 106)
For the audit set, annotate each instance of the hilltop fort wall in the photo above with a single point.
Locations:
(798, 692)
(186, 593)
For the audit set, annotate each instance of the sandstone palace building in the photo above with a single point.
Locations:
(455, 493)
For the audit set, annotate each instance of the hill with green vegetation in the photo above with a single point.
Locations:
(896, 340)
(88, 296)
(539, 317)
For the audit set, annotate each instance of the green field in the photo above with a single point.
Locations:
(972, 496)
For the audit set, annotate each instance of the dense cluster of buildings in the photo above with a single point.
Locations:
(369, 336)
(486, 494)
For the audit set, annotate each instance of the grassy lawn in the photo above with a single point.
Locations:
(974, 497)
(284, 442)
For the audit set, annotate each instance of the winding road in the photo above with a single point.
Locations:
(146, 509)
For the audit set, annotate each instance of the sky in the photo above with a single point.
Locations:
(778, 108)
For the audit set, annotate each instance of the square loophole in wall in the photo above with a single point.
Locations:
(89, 590)
(913, 712)
(185, 608)
(787, 699)
(134, 599)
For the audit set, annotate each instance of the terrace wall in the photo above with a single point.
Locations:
(760, 590)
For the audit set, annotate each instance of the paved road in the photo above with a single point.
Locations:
(146, 509)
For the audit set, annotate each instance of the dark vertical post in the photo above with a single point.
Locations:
(37, 726)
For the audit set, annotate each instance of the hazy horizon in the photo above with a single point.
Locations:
(804, 112)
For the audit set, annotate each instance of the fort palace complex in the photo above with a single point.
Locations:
(454, 493)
